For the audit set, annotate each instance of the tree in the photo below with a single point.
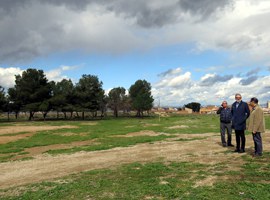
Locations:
(3, 99)
(141, 98)
(127, 104)
(14, 103)
(89, 94)
(63, 95)
(31, 90)
(194, 106)
(116, 99)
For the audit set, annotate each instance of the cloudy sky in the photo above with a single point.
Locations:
(189, 50)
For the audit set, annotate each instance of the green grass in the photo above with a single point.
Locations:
(157, 180)
(104, 129)
(175, 180)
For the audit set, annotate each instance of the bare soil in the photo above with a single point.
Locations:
(178, 126)
(34, 151)
(46, 167)
(21, 129)
(141, 133)
(26, 131)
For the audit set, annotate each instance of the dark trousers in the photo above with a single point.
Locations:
(257, 143)
(240, 139)
(223, 128)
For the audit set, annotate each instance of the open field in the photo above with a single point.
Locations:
(178, 157)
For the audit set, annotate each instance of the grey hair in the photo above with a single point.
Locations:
(238, 94)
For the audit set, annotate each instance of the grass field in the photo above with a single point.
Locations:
(176, 157)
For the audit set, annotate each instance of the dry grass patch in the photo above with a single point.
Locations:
(141, 133)
(35, 151)
(71, 134)
(18, 129)
(149, 125)
(89, 123)
(178, 126)
(7, 139)
(208, 181)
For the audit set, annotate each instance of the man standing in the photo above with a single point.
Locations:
(240, 113)
(225, 124)
(256, 125)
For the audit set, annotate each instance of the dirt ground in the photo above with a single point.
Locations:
(206, 150)
(5, 132)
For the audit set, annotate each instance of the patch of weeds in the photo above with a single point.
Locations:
(191, 139)
(23, 153)
(26, 158)
(6, 158)
(14, 134)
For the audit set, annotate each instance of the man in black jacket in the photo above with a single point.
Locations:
(225, 124)
(240, 113)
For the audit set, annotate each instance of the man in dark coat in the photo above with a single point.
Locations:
(225, 124)
(240, 113)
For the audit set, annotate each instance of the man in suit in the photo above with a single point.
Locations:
(256, 125)
(240, 113)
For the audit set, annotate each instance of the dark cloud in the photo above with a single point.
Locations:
(204, 8)
(214, 79)
(7, 6)
(249, 80)
(144, 13)
(33, 28)
(253, 72)
(149, 15)
(170, 72)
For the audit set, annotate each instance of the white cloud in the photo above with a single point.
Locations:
(206, 76)
(195, 91)
(7, 76)
(180, 80)
(177, 81)
(57, 74)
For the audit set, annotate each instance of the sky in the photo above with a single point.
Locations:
(190, 51)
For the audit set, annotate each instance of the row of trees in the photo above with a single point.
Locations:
(34, 93)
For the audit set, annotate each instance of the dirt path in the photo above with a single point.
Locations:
(46, 167)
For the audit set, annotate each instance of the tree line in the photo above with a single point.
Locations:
(33, 93)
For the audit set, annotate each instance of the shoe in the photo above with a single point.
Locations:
(230, 145)
(236, 150)
(241, 151)
(224, 145)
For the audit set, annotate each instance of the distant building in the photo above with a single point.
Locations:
(266, 110)
(268, 104)
(209, 110)
(188, 110)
